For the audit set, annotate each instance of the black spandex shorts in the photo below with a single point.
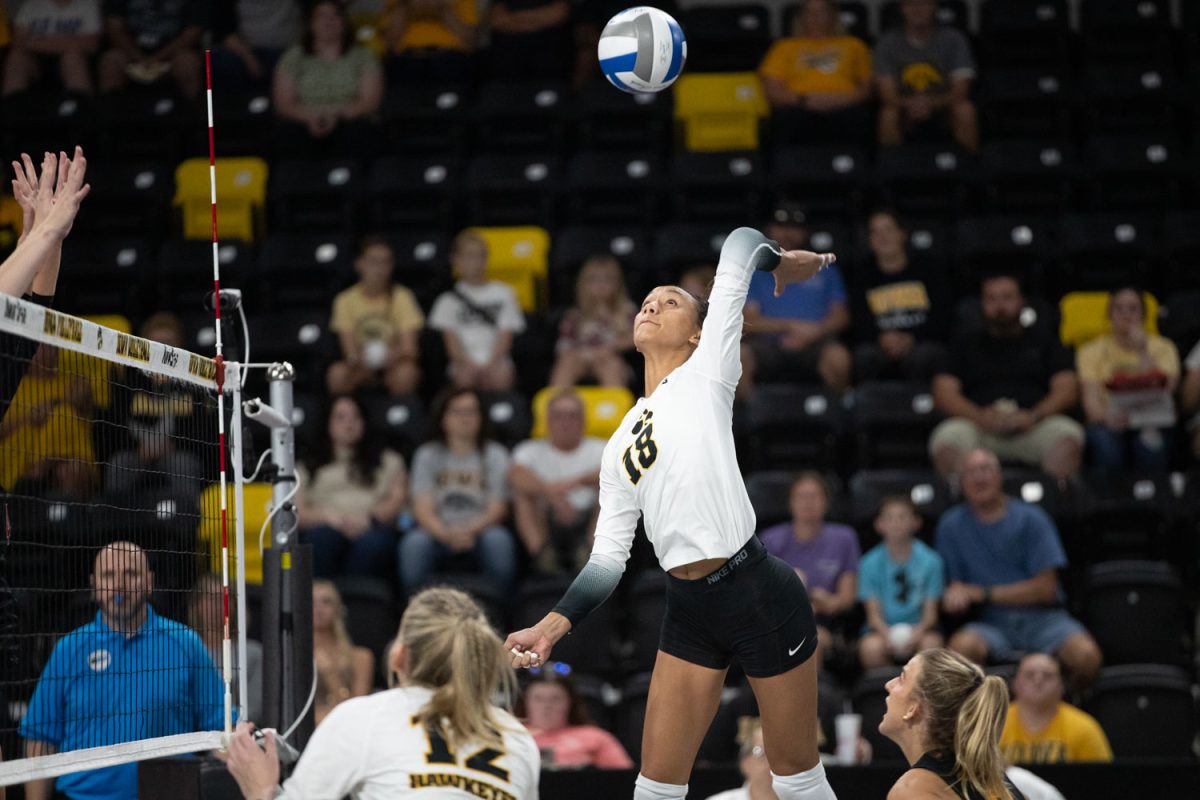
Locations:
(754, 608)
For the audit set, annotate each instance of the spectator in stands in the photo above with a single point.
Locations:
(343, 669)
(818, 80)
(352, 489)
(794, 336)
(1002, 557)
(126, 674)
(206, 616)
(558, 718)
(752, 763)
(1007, 388)
(900, 584)
(1189, 398)
(825, 555)
(160, 415)
(698, 280)
(253, 35)
(1041, 728)
(53, 36)
(46, 436)
(1116, 364)
(902, 308)
(327, 89)
(555, 487)
(924, 72)
(459, 497)
(530, 39)
(430, 41)
(596, 333)
(377, 324)
(478, 319)
(152, 40)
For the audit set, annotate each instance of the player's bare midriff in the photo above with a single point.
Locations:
(697, 569)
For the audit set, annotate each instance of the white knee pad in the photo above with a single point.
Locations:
(808, 785)
(646, 789)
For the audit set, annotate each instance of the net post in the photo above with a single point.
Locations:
(233, 373)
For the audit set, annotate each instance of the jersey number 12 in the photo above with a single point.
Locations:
(647, 450)
(482, 760)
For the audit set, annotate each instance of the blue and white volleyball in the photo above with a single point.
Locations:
(642, 49)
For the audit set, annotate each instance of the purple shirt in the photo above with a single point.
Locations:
(823, 559)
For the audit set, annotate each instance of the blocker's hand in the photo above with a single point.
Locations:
(797, 266)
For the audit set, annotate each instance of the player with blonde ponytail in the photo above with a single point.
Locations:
(437, 735)
(947, 716)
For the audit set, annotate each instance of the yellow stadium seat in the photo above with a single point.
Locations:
(518, 256)
(1085, 316)
(604, 408)
(720, 110)
(256, 499)
(241, 194)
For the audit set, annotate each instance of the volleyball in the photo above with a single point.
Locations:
(642, 49)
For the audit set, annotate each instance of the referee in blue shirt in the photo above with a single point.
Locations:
(127, 675)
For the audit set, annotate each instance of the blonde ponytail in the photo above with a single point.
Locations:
(977, 758)
(454, 651)
(966, 712)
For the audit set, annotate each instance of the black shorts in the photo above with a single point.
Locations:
(754, 608)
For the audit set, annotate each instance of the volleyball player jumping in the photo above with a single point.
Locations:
(672, 460)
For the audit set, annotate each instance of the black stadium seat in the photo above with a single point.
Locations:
(726, 38)
(1139, 171)
(302, 269)
(830, 178)
(613, 188)
(401, 420)
(1146, 710)
(371, 618)
(893, 420)
(414, 192)
(869, 698)
(522, 117)
(428, 118)
(1025, 32)
(1136, 611)
(512, 189)
(717, 186)
(770, 494)
(613, 120)
(795, 426)
(575, 244)
(307, 196)
(1024, 176)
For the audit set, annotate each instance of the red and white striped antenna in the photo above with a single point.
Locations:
(226, 641)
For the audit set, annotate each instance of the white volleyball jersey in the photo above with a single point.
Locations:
(672, 458)
(370, 748)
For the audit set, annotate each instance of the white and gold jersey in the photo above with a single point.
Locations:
(672, 459)
(372, 748)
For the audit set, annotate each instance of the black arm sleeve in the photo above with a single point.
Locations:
(591, 587)
(18, 352)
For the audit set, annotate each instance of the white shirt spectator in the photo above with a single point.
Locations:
(551, 464)
(485, 311)
(50, 18)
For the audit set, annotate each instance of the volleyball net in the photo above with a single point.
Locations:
(118, 549)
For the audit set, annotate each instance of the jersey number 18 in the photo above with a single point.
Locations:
(647, 450)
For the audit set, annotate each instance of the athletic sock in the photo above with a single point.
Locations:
(808, 785)
(646, 789)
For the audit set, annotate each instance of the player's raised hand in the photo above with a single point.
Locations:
(60, 192)
(25, 187)
(797, 266)
(528, 648)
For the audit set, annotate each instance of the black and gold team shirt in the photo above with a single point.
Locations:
(928, 67)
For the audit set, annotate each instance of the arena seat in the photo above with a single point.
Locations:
(619, 121)
(868, 698)
(508, 417)
(928, 493)
(1135, 97)
(575, 244)
(522, 116)
(130, 197)
(371, 619)
(1125, 30)
(433, 118)
(1025, 32)
(604, 408)
(402, 420)
(241, 190)
(1136, 611)
(726, 37)
(1028, 176)
(317, 195)
(414, 192)
(922, 178)
(512, 189)
(185, 269)
(720, 110)
(793, 426)
(830, 178)
(614, 188)
(256, 498)
(302, 270)
(518, 256)
(1181, 247)
(107, 273)
(1084, 316)
(1102, 249)
(717, 186)
(1146, 710)
(892, 423)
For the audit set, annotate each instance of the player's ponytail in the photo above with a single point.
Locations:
(453, 650)
(977, 758)
(966, 711)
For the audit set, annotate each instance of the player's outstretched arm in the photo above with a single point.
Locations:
(60, 191)
(531, 647)
(797, 266)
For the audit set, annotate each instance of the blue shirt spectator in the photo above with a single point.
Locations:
(900, 588)
(1003, 556)
(810, 301)
(127, 675)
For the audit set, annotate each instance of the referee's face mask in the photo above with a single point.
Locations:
(668, 319)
